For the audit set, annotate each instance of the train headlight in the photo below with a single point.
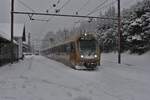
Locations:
(82, 56)
(95, 56)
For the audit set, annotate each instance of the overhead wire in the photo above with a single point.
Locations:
(93, 10)
(58, 10)
(96, 8)
(52, 5)
(84, 5)
(58, 1)
(66, 3)
(48, 20)
(80, 9)
(101, 6)
(25, 5)
(31, 16)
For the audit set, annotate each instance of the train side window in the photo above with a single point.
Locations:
(68, 49)
(72, 47)
(64, 48)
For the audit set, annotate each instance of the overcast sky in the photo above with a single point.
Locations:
(38, 28)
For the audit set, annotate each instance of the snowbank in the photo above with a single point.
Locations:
(39, 78)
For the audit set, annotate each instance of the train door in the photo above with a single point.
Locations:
(73, 53)
(98, 53)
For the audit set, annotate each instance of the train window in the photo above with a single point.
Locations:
(72, 47)
(64, 48)
(68, 48)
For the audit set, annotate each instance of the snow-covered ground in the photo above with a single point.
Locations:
(39, 78)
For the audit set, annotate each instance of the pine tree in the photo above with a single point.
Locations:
(136, 27)
(106, 31)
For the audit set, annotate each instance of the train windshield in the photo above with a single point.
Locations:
(87, 46)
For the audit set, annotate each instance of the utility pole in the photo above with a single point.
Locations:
(12, 30)
(119, 34)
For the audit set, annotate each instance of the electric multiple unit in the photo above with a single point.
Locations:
(82, 52)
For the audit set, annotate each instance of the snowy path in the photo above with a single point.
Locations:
(39, 78)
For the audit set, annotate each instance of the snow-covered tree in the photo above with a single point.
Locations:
(48, 40)
(106, 31)
(136, 27)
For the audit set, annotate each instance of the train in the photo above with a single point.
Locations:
(81, 52)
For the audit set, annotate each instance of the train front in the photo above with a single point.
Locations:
(89, 51)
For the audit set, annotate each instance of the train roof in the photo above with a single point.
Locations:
(71, 39)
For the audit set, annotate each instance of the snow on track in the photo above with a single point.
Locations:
(39, 78)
